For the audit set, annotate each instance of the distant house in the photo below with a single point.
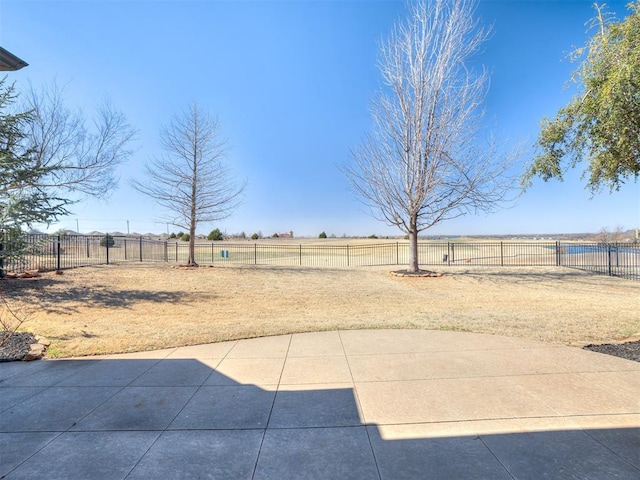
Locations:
(286, 235)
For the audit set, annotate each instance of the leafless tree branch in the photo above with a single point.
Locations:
(423, 161)
(80, 159)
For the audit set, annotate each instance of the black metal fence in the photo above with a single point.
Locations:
(53, 252)
(59, 252)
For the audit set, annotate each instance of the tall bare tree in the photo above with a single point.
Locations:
(424, 161)
(192, 181)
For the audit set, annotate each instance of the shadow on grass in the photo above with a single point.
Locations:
(52, 296)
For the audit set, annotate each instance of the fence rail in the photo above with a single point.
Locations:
(53, 252)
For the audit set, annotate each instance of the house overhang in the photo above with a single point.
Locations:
(9, 62)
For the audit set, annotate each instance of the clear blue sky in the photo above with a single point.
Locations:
(291, 82)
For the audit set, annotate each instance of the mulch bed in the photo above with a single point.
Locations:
(419, 273)
(629, 350)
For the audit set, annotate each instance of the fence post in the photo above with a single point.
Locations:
(166, 252)
(397, 253)
(1, 255)
(557, 253)
(502, 254)
(348, 255)
(609, 252)
(124, 241)
(58, 259)
(176, 252)
(140, 249)
(255, 253)
(106, 242)
(300, 254)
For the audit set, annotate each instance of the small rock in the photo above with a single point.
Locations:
(43, 341)
(36, 348)
(36, 352)
(30, 357)
(31, 274)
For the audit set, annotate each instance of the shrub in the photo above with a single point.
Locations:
(215, 235)
(373, 236)
(108, 241)
(185, 237)
(173, 235)
(179, 235)
(322, 235)
(275, 235)
(255, 236)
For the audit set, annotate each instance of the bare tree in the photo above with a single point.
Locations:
(80, 159)
(191, 181)
(50, 158)
(606, 236)
(423, 161)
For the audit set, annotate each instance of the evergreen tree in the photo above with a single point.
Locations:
(23, 200)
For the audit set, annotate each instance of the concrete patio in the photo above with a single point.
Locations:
(382, 404)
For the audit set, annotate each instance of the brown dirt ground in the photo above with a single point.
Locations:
(125, 308)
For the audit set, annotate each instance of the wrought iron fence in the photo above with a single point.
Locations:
(57, 252)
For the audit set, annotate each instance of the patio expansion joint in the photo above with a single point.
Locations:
(273, 402)
(592, 437)
(53, 439)
(476, 377)
(360, 409)
(493, 419)
(497, 459)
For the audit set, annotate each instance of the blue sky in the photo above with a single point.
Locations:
(291, 84)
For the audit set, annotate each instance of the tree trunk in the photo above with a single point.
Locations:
(192, 233)
(192, 219)
(413, 267)
(192, 247)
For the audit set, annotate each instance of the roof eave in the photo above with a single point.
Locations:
(9, 62)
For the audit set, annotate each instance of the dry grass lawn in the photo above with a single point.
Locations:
(124, 308)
